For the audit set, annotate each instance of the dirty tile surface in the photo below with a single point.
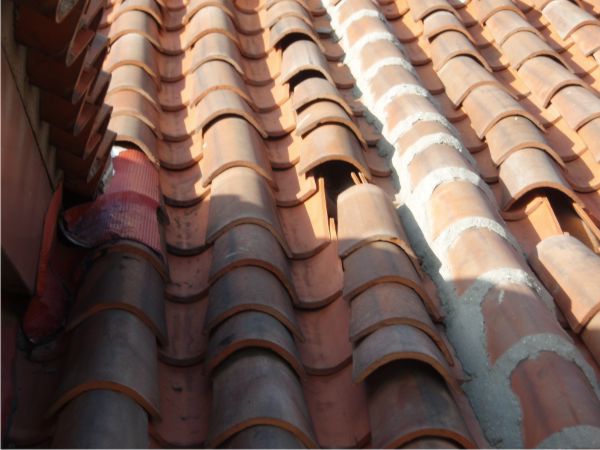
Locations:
(341, 224)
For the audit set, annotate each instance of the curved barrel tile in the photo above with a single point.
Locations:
(217, 104)
(215, 75)
(313, 289)
(325, 112)
(545, 77)
(263, 436)
(577, 105)
(487, 105)
(184, 398)
(511, 306)
(134, 50)
(101, 419)
(186, 233)
(442, 21)
(365, 28)
(292, 27)
(216, 47)
(287, 8)
(303, 56)
(392, 304)
(409, 401)
(514, 133)
(250, 245)
(566, 17)
(456, 203)
(132, 129)
(487, 8)
(527, 170)
(180, 155)
(306, 226)
(420, 9)
(398, 343)
(100, 357)
(241, 196)
(184, 348)
(380, 262)
(461, 75)
(250, 289)
(338, 407)
(561, 388)
(122, 281)
(487, 252)
(326, 347)
(365, 214)
(255, 387)
(183, 188)
(451, 44)
(315, 89)
(331, 143)
(134, 78)
(525, 45)
(293, 188)
(189, 276)
(251, 329)
(575, 286)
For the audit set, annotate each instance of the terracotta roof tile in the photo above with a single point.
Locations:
(112, 283)
(313, 90)
(300, 56)
(328, 143)
(423, 392)
(314, 290)
(419, 10)
(107, 365)
(379, 307)
(462, 74)
(380, 262)
(184, 350)
(487, 105)
(306, 226)
(577, 105)
(338, 407)
(567, 17)
(255, 387)
(264, 251)
(364, 216)
(527, 382)
(524, 45)
(293, 188)
(251, 329)
(185, 396)
(452, 44)
(326, 348)
(247, 200)
(230, 295)
(573, 289)
(260, 436)
(441, 21)
(325, 112)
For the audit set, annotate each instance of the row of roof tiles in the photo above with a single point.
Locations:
(562, 89)
(246, 242)
(487, 105)
(64, 60)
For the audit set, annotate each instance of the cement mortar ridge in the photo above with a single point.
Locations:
(397, 91)
(452, 232)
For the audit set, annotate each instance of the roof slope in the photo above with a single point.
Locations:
(277, 299)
